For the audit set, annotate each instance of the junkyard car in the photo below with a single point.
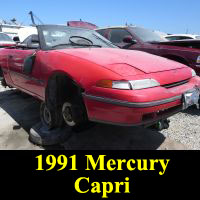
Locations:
(137, 38)
(79, 75)
(5, 40)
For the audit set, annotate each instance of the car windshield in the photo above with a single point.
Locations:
(198, 37)
(5, 38)
(57, 36)
(147, 35)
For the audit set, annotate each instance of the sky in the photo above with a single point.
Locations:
(170, 16)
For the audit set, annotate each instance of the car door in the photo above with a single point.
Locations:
(16, 58)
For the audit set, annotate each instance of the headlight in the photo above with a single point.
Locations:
(121, 85)
(198, 60)
(142, 84)
(193, 73)
(128, 85)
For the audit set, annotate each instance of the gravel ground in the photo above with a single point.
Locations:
(185, 128)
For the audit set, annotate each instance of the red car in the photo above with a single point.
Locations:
(81, 24)
(5, 40)
(79, 75)
(136, 38)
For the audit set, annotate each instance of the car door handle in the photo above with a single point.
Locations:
(10, 56)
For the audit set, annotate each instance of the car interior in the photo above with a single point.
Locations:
(31, 42)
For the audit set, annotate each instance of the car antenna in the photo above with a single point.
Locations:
(33, 20)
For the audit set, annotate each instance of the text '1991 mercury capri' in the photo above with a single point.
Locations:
(79, 76)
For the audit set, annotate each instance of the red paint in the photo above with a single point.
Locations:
(86, 66)
(82, 24)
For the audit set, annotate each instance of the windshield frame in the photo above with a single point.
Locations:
(42, 42)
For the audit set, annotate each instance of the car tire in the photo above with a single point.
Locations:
(50, 118)
(74, 113)
(68, 114)
(2, 79)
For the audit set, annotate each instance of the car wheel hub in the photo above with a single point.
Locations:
(67, 114)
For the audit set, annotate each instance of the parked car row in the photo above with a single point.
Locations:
(83, 75)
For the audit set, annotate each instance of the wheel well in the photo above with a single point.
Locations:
(61, 86)
(176, 58)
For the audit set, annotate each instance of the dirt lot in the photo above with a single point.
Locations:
(19, 113)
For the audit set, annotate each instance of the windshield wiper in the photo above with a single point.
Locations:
(89, 45)
(70, 44)
(83, 45)
(64, 44)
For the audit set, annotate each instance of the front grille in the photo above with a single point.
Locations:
(176, 84)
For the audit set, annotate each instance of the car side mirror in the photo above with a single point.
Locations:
(129, 40)
(28, 64)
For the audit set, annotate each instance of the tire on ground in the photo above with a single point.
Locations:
(63, 96)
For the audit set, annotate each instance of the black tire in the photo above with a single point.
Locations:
(76, 119)
(2, 80)
(50, 118)
(64, 96)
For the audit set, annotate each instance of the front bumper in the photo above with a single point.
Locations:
(132, 104)
(133, 108)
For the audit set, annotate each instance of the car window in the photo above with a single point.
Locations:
(27, 39)
(4, 37)
(29, 43)
(198, 37)
(117, 35)
(101, 32)
(59, 36)
(171, 38)
(184, 38)
(179, 38)
(147, 35)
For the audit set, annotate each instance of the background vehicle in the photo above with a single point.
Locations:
(182, 37)
(137, 38)
(24, 33)
(5, 40)
(79, 76)
(82, 24)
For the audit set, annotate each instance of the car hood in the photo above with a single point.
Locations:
(109, 57)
